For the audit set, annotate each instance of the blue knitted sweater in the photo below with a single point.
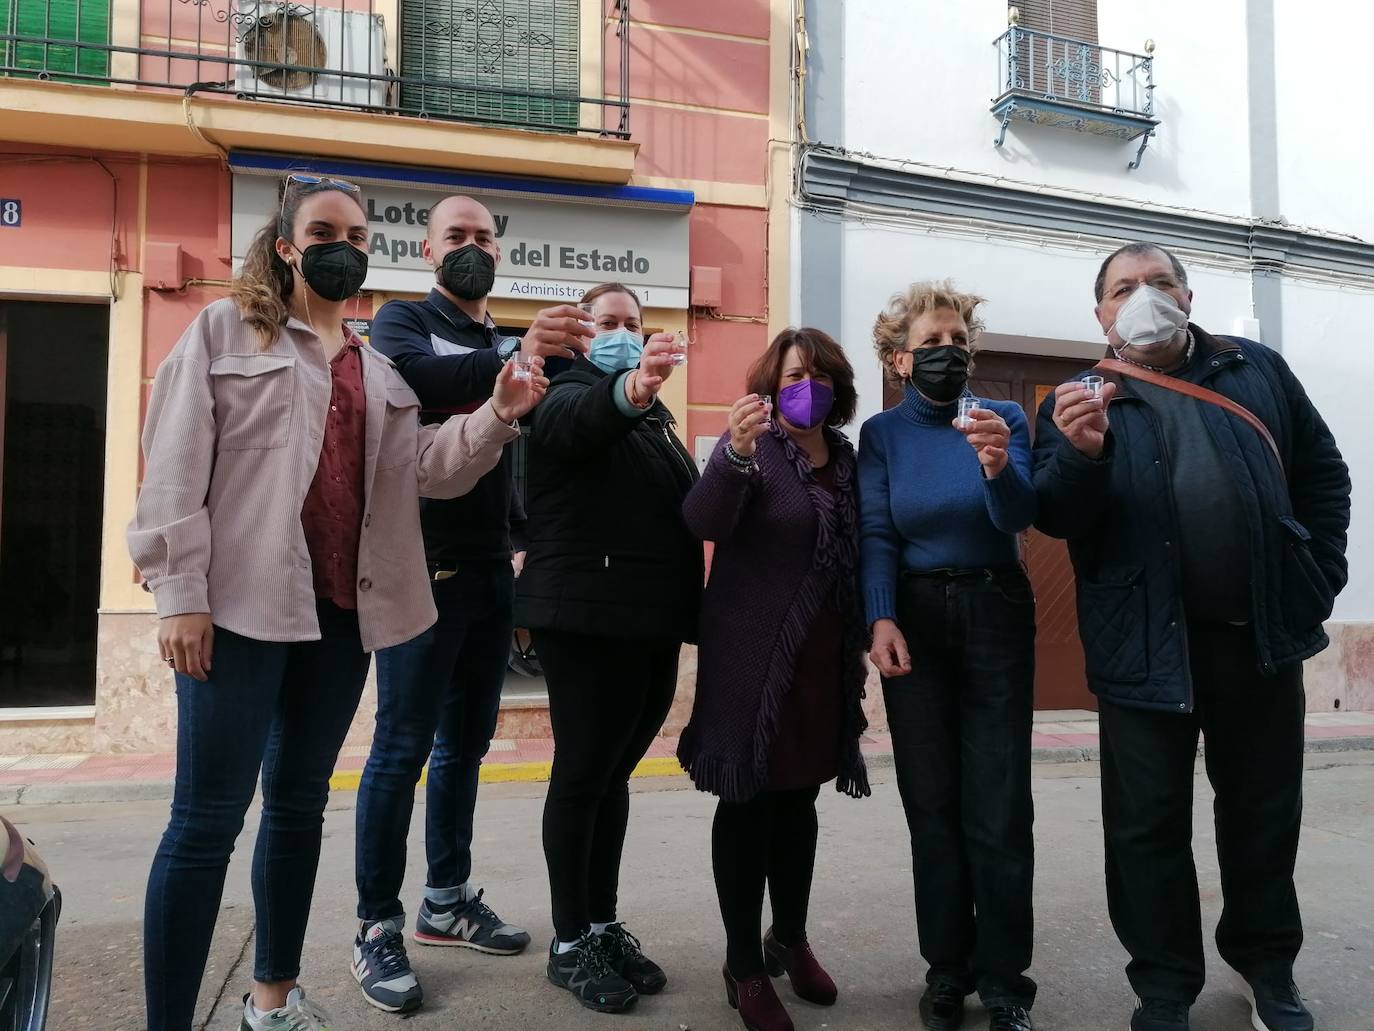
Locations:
(924, 502)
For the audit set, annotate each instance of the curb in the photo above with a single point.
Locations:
(535, 772)
(512, 773)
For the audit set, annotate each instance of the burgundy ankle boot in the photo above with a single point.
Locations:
(808, 977)
(759, 1006)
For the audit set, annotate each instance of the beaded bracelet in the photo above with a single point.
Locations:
(738, 460)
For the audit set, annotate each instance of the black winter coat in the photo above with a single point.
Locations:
(609, 553)
(1118, 516)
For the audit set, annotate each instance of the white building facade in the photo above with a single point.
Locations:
(1253, 172)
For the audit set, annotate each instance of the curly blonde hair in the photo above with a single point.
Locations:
(892, 327)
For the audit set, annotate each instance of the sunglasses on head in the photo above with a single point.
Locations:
(301, 179)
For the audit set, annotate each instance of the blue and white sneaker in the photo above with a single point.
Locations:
(382, 970)
(469, 925)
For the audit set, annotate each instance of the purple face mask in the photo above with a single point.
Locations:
(805, 404)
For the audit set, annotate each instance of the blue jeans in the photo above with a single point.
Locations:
(280, 708)
(437, 699)
(961, 744)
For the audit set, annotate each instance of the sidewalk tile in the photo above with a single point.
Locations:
(49, 762)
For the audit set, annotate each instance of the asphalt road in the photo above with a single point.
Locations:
(862, 914)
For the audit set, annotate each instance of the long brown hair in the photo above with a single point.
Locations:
(262, 289)
(819, 352)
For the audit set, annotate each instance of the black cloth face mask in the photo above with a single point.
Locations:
(940, 373)
(469, 272)
(335, 271)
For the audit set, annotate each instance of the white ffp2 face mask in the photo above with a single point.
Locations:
(1149, 316)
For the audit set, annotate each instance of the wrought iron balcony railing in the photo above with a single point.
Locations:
(1069, 83)
(514, 63)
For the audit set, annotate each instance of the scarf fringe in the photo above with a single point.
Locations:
(836, 565)
(834, 572)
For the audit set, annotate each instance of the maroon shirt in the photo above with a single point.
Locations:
(332, 515)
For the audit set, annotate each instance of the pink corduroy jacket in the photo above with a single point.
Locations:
(231, 442)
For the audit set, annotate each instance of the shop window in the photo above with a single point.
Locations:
(502, 62)
(52, 469)
(56, 22)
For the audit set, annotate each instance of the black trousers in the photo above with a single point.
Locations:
(771, 839)
(608, 698)
(961, 729)
(1253, 727)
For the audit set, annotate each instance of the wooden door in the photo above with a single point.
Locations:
(1059, 678)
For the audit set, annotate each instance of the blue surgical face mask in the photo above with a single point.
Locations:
(616, 351)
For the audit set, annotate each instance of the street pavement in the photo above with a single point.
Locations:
(862, 924)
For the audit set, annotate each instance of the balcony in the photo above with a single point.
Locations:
(347, 72)
(1044, 79)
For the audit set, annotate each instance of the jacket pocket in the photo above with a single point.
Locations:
(1305, 598)
(400, 428)
(254, 395)
(1114, 621)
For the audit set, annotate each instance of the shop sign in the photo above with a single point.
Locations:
(553, 246)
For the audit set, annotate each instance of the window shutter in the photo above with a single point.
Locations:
(1070, 19)
(491, 46)
(56, 19)
(1076, 19)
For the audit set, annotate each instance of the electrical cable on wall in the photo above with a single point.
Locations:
(34, 158)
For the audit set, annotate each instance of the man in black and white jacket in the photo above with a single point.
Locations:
(438, 695)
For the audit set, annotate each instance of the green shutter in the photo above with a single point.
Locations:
(85, 21)
(493, 45)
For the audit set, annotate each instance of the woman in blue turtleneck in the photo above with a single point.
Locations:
(953, 622)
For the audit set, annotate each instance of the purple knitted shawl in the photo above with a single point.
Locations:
(784, 546)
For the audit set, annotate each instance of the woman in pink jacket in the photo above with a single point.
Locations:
(278, 529)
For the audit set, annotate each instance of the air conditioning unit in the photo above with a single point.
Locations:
(290, 40)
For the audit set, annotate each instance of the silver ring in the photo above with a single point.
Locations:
(170, 661)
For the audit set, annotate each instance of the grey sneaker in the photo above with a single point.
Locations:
(299, 1014)
(470, 925)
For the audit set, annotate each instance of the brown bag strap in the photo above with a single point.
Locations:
(1211, 397)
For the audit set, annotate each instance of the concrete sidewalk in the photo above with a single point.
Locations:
(1058, 737)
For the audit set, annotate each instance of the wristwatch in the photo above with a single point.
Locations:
(507, 348)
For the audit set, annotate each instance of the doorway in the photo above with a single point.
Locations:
(1060, 681)
(53, 378)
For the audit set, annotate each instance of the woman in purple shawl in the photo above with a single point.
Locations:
(778, 708)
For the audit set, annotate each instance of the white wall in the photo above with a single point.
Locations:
(920, 78)
(1325, 146)
(918, 81)
(1327, 343)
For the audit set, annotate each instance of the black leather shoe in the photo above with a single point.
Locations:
(1008, 1018)
(1276, 1005)
(942, 1006)
(1159, 1015)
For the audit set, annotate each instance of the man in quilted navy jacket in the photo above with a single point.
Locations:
(1206, 563)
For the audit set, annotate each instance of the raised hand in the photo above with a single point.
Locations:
(1081, 417)
(655, 366)
(513, 397)
(563, 331)
(748, 422)
(988, 434)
